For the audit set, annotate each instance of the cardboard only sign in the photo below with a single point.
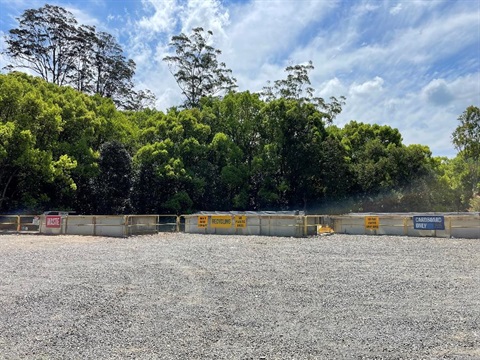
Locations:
(428, 222)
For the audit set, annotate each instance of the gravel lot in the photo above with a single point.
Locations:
(185, 296)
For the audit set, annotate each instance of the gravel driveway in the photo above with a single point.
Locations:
(186, 296)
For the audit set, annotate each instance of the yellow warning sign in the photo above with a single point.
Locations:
(221, 221)
(202, 222)
(372, 222)
(240, 221)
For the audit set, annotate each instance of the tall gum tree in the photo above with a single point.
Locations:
(196, 68)
(297, 86)
(45, 42)
(49, 42)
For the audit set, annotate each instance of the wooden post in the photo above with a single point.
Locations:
(125, 226)
(305, 225)
(66, 224)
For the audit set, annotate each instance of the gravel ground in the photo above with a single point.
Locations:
(185, 296)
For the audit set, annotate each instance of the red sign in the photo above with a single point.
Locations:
(53, 221)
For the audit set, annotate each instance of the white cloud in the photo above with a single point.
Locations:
(466, 89)
(21, 5)
(332, 87)
(396, 9)
(163, 18)
(174, 16)
(440, 37)
(405, 51)
(150, 36)
(85, 18)
(368, 88)
(363, 8)
(208, 14)
(437, 92)
(268, 31)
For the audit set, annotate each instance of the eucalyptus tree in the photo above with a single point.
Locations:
(196, 67)
(297, 86)
(112, 71)
(50, 42)
(46, 42)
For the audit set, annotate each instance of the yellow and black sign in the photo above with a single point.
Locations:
(372, 222)
(202, 222)
(240, 221)
(221, 221)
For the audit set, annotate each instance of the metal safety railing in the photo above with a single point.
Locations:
(19, 223)
(161, 223)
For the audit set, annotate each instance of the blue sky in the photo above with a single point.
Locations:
(412, 65)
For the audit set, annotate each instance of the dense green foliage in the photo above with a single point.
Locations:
(466, 139)
(63, 149)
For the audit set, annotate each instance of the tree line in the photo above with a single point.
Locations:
(78, 137)
(63, 149)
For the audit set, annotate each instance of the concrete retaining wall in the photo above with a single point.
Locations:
(269, 225)
(466, 225)
(457, 226)
(101, 225)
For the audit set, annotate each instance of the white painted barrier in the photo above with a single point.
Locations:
(100, 225)
(465, 225)
(248, 223)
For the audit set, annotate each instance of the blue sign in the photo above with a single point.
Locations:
(428, 222)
